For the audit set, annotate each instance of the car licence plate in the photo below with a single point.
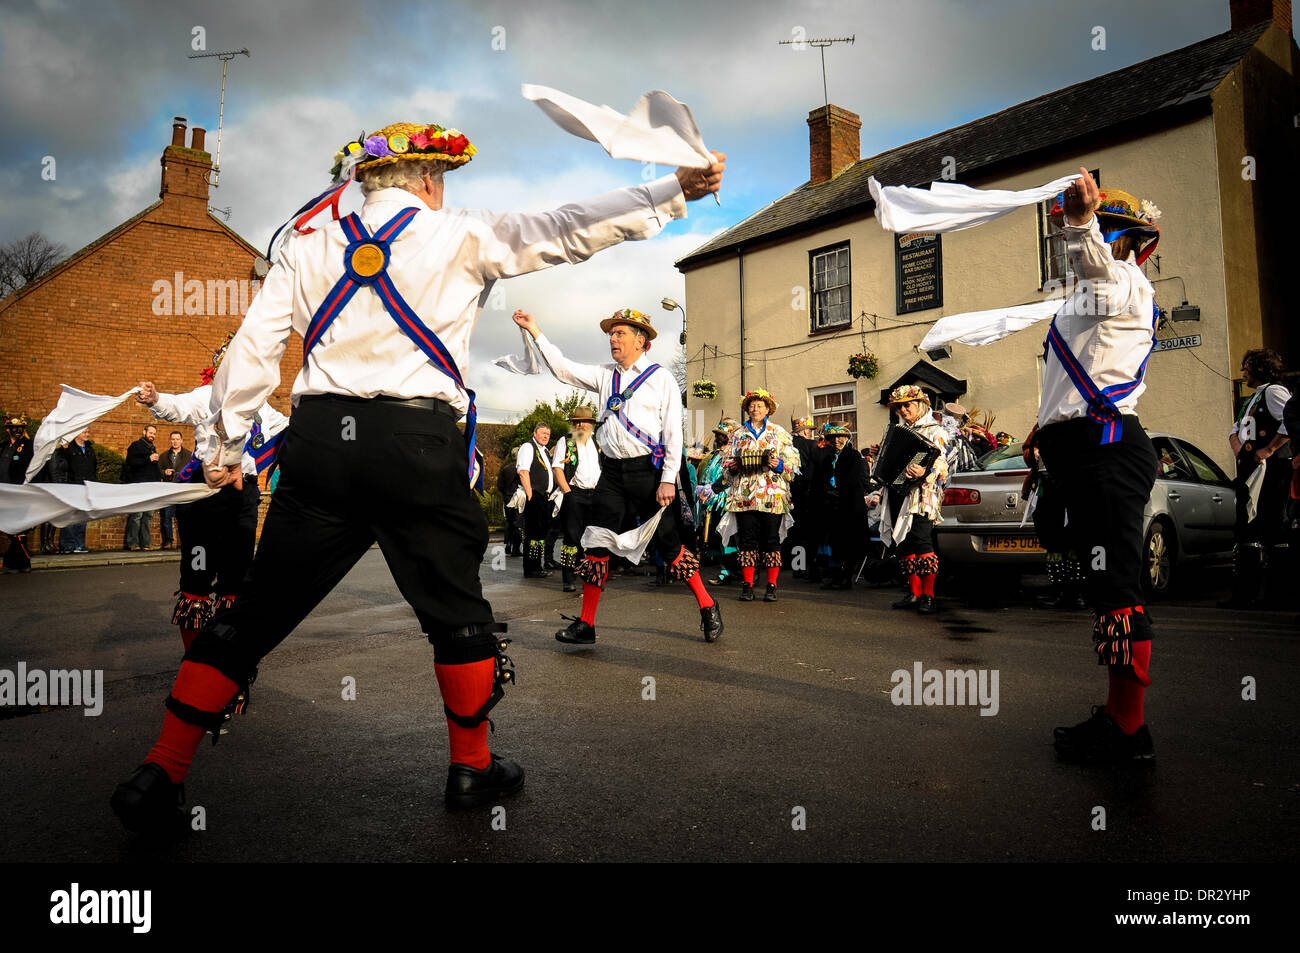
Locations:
(1012, 544)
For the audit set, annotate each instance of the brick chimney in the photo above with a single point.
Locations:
(185, 170)
(833, 143)
(1247, 13)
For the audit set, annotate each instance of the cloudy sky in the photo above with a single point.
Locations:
(95, 83)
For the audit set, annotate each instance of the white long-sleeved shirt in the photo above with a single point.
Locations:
(524, 463)
(1275, 401)
(196, 408)
(444, 264)
(655, 408)
(587, 475)
(1107, 324)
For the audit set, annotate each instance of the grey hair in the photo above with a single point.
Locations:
(405, 174)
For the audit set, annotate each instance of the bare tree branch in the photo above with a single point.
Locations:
(25, 259)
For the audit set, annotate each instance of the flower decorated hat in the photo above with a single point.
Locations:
(635, 319)
(801, 423)
(210, 371)
(1121, 213)
(726, 427)
(758, 394)
(403, 140)
(901, 395)
(429, 142)
(835, 428)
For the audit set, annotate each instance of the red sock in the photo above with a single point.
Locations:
(590, 599)
(748, 573)
(188, 636)
(701, 594)
(1127, 692)
(464, 690)
(927, 584)
(206, 689)
(915, 582)
(772, 573)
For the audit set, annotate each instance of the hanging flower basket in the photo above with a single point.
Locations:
(863, 365)
(704, 389)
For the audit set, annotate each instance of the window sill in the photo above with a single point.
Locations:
(818, 332)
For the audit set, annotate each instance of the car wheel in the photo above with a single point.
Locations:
(1157, 560)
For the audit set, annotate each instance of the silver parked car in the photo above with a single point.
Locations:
(1190, 514)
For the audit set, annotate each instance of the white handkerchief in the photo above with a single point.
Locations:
(977, 328)
(1254, 483)
(949, 207)
(525, 363)
(630, 545)
(658, 129)
(22, 507)
(75, 411)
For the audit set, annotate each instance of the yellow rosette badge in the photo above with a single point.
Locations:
(399, 143)
(368, 260)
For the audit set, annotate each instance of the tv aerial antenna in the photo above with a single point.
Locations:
(820, 45)
(225, 56)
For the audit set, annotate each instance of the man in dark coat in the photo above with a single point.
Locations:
(79, 457)
(141, 467)
(14, 458)
(842, 479)
(805, 502)
(507, 483)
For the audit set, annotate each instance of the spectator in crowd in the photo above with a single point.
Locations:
(14, 458)
(804, 502)
(711, 495)
(79, 457)
(507, 485)
(54, 471)
(1260, 438)
(172, 462)
(842, 483)
(141, 467)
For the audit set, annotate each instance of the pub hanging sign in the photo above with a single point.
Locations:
(918, 271)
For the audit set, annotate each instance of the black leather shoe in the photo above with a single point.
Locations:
(770, 595)
(711, 622)
(746, 593)
(537, 574)
(578, 633)
(722, 579)
(474, 787)
(147, 801)
(926, 606)
(1099, 740)
(908, 601)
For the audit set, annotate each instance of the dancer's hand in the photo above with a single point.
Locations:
(527, 322)
(217, 476)
(1082, 198)
(914, 470)
(148, 394)
(664, 495)
(697, 183)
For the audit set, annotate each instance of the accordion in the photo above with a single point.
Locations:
(751, 461)
(901, 448)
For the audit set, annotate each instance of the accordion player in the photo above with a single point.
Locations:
(900, 448)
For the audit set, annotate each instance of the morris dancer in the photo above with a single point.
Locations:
(641, 442)
(908, 517)
(385, 302)
(761, 459)
(1093, 444)
(217, 534)
(576, 463)
(533, 462)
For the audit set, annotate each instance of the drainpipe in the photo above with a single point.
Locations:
(740, 262)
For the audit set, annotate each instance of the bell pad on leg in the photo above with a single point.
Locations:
(1115, 632)
(192, 611)
(475, 643)
(748, 559)
(594, 570)
(569, 556)
(772, 559)
(927, 564)
(685, 565)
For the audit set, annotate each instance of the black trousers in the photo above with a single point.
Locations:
(1269, 525)
(217, 536)
(537, 515)
(758, 532)
(631, 485)
(575, 514)
(1105, 490)
(353, 472)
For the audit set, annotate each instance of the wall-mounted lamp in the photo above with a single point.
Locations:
(671, 305)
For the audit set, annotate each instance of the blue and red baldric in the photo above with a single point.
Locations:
(619, 398)
(1100, 400)
(365, 262)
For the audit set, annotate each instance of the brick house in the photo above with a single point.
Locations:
(151, 298)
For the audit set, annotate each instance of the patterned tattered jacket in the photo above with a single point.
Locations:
(925, 497)
(764, 490)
